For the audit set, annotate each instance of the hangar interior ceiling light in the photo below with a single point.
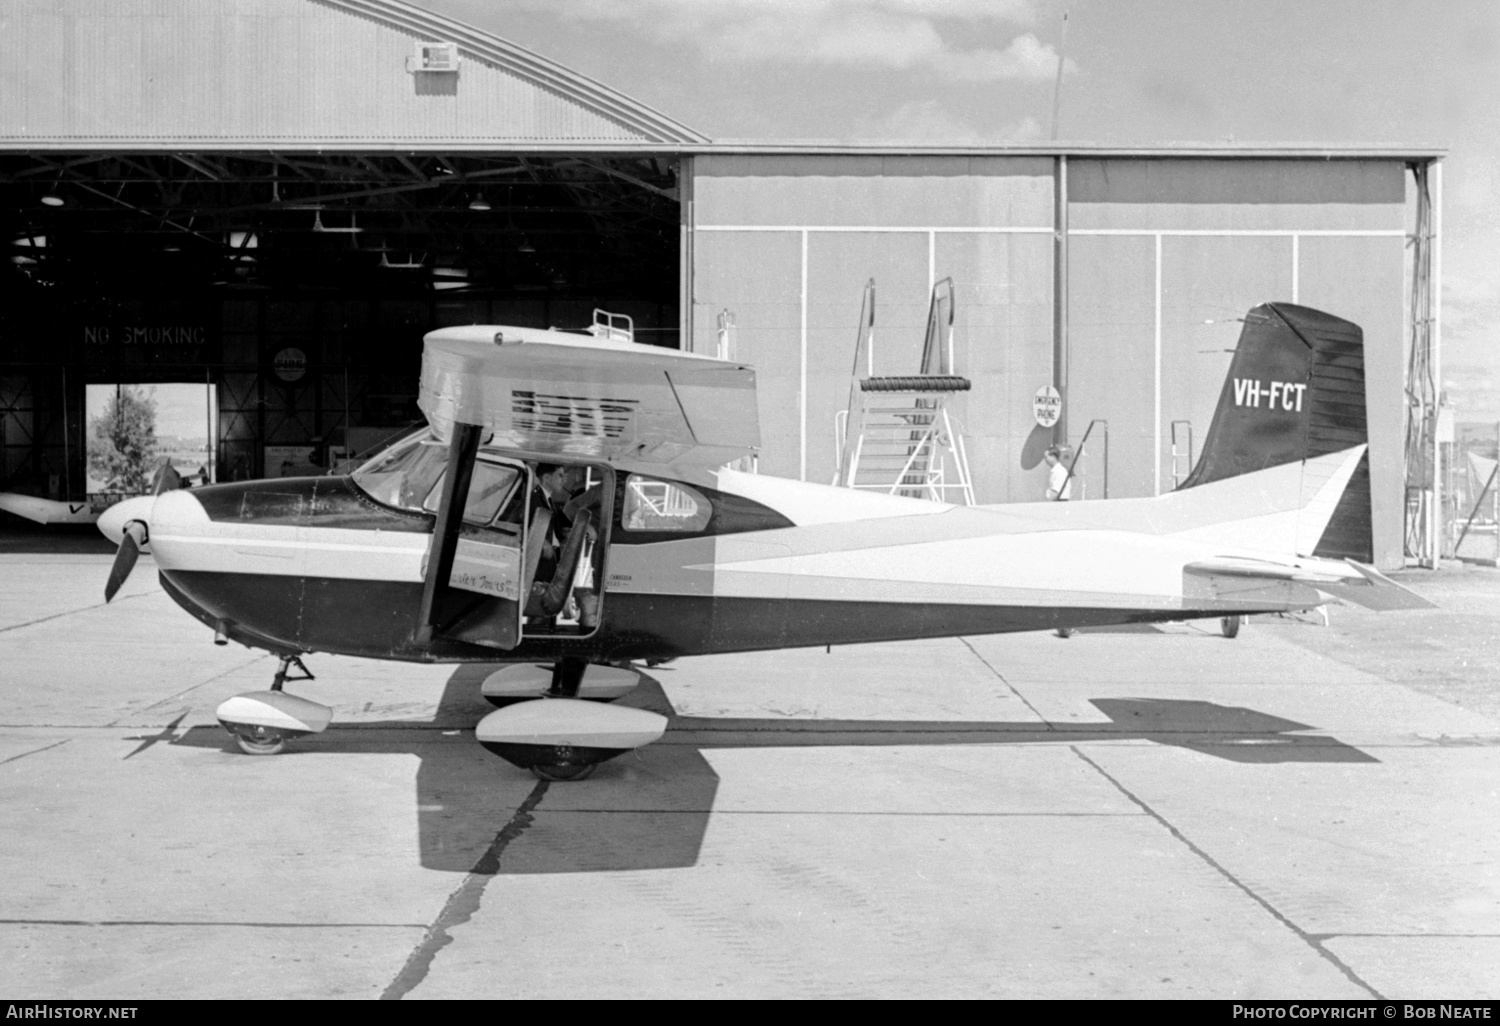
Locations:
(599, 224)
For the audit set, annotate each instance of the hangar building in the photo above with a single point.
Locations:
(277, 198)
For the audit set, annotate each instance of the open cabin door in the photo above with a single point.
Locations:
(490, 558)
(504, 555)
(475, 580)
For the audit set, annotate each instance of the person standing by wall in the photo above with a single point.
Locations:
(1059, 486)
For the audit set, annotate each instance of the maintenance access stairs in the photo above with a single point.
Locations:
(897, 435)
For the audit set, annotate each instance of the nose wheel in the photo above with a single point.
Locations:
(262, 722)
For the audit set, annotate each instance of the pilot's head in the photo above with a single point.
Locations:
(1053, 454)
(550, 477)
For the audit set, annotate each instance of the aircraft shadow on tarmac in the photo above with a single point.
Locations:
(650, 810)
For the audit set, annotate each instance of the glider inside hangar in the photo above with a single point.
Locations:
(568, 503)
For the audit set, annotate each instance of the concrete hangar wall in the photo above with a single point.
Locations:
(210, 164)
(1160, 251)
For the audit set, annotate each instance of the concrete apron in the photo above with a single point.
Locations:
(1116, 814)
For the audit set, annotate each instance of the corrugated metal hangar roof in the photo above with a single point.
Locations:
(238, 74)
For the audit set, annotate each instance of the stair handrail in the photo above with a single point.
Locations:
(866, 335)
(937, 346)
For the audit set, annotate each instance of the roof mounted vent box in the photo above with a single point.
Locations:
(433, 57)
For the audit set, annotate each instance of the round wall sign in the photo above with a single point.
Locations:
(290, 364)
(1046, 406)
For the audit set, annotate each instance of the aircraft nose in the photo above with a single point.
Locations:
(113, 520)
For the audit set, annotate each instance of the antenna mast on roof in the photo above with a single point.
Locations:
(1062, 57)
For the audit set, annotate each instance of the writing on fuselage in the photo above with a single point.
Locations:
(1286, 395)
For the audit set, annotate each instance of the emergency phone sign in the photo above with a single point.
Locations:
(1046, 406)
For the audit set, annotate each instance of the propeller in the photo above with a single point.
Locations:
(134, 532)
(125, 557)
(166, 478)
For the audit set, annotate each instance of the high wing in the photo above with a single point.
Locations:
(549, 392)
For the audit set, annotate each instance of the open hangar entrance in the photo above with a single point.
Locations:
(300, 284)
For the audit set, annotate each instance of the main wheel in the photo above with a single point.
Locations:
(1065, 632)
(562, 771)
(261, 741)
(1229, 626)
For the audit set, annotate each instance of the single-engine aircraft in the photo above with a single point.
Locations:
(568, 503)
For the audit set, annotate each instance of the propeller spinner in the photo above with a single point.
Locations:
(127, 524)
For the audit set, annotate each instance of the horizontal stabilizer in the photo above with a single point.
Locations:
(1317, 572)
(1337, 579)
(1377, 591)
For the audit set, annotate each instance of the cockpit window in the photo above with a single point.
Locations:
(652, 505)
(405, 474)
(488, 488)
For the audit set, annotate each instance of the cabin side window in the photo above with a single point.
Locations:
(652, 505)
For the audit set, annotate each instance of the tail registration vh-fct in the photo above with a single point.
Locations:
(1283, 395)
(568, 503)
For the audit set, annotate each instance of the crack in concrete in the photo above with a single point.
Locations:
(1312, 940)
(463, 902)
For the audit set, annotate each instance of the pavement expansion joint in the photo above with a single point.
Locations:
(1314, 941)
(211, 923)
(202, 683)
(1420, 935)
(69, 612)
(852, 813)
(34, 751)
(1001, 677)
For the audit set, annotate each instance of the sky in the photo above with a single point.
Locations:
(1381, 72)
(180, 409)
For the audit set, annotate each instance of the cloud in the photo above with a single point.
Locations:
(856, 34)
(930, 121)
(1471, 331)
(1025, 58)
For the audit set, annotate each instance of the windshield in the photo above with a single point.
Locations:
(405, 474)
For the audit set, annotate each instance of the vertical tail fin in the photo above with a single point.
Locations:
(1295, 391)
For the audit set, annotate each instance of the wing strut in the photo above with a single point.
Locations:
(461, 449)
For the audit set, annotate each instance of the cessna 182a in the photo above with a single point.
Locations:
(556, 463)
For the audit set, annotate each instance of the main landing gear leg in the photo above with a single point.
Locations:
(566, 762)
(567, 678)
(263, 721)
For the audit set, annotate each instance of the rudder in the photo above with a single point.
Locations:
(1295, 391)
